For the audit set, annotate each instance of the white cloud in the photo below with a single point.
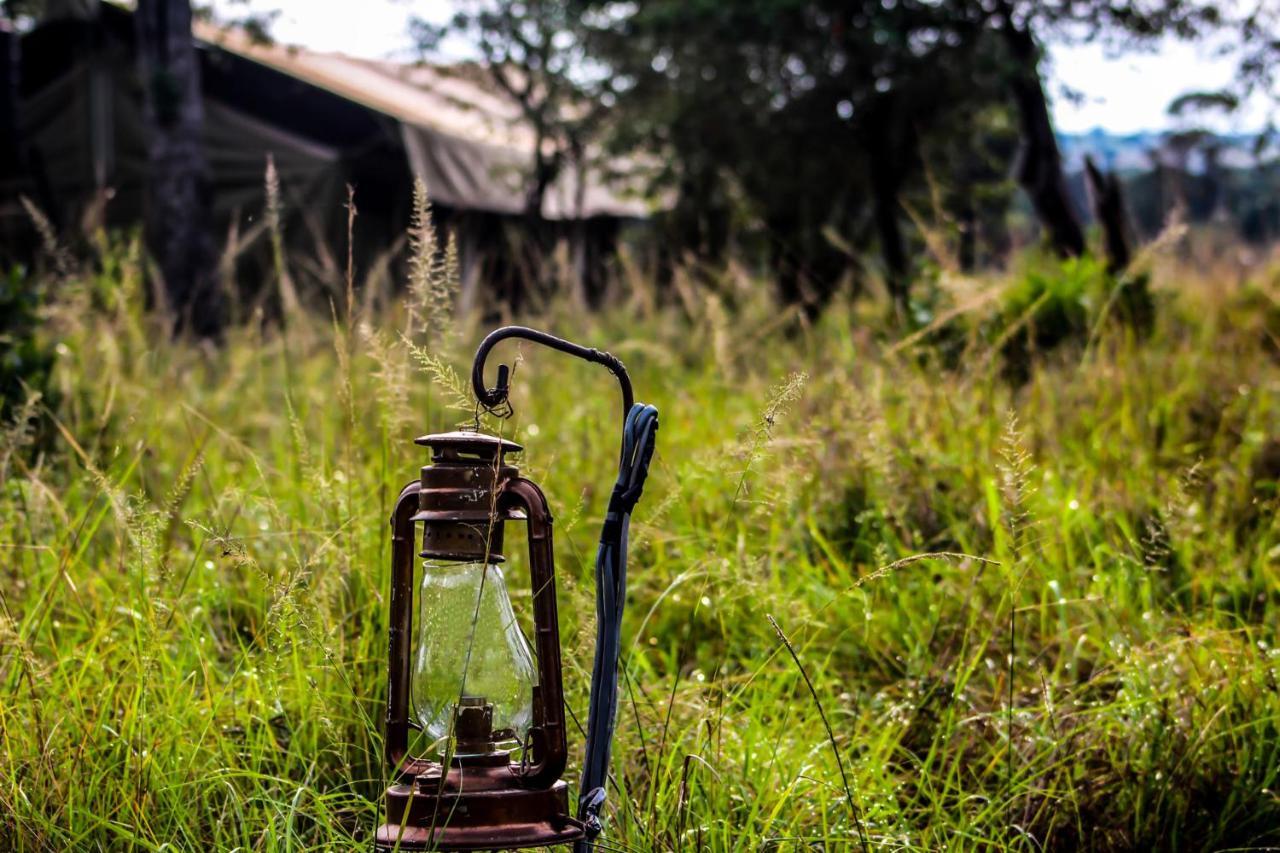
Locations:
(1131, 92)
(373, 29)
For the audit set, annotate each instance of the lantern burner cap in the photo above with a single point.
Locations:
(473, 732)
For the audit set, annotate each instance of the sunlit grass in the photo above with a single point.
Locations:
(195, 565)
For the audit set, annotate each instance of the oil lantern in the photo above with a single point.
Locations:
(489, 703)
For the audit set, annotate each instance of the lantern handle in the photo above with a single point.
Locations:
(491, 398)
(400, 658)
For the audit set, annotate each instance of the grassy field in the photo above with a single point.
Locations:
(1038, 605)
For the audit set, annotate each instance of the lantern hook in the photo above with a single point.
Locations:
(493, 398)
(639, 425)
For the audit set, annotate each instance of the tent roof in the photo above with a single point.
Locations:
(466, 140)
(416, 94)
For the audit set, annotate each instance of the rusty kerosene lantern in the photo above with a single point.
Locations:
(492, 708)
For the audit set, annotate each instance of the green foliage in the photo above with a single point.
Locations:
(532, 51)
(1057, 297)
(775, 126)
(1050, 303)
(1033, 618)
(873, 96)
(26, 360)
(1255, 310)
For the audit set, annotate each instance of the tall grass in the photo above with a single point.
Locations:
(1036, 615)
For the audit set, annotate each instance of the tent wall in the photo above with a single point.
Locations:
(88, 131)
(81, 123)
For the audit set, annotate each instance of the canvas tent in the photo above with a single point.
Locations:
(327, 120)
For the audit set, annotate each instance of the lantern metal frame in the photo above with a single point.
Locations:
(480, 800)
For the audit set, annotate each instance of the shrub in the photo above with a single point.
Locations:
(1049, 305)
(25, 361)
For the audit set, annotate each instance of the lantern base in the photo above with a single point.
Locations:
(476, 815)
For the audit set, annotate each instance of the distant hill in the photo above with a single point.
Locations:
(1136, 152)
(1212, 179)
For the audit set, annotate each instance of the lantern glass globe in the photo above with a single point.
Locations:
(470, 645)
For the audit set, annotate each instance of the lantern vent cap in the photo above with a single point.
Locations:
(462, 444)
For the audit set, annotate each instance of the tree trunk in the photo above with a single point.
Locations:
(536, 243)
(887, 155)
(10, 128)
(545, 171)
(1133, 299)
(1109, 209)
(1039, 169)
(967, 239)
(178, 184)
(889, 232)
(1219, 210)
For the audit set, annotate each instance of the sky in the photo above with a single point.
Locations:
(1121, 94)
